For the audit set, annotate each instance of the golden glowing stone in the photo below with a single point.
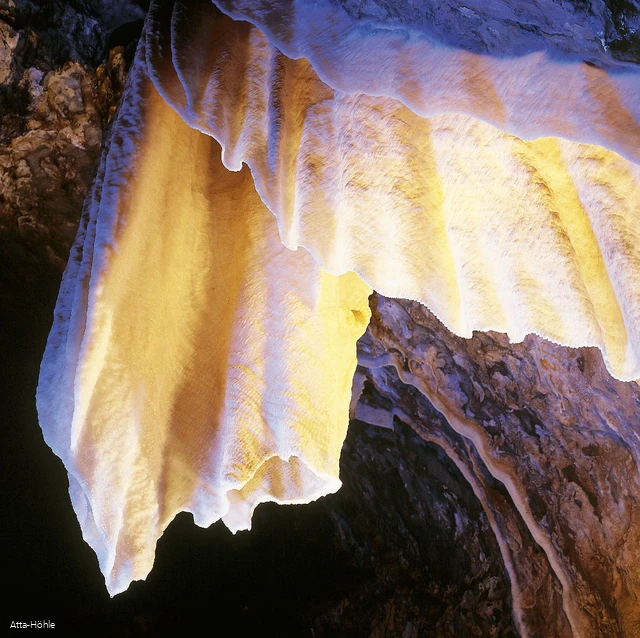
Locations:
(201, 366)
(490, 231)
(204, 343)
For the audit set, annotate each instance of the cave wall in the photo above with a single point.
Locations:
(530, 425)
(494, 494)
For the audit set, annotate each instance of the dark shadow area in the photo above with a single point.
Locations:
(384, 552)
(80, 30)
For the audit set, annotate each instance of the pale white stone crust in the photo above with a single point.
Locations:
(203, 346)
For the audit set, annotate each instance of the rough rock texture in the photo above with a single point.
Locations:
(530, 510)
(419, 566)
(54, 104)
(587, 28)
(549, 442)
(187, 393)
(490, 231)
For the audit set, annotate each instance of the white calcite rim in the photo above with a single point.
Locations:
(489, 230)
(257, 185)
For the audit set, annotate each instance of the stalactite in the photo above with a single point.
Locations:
(260, 180)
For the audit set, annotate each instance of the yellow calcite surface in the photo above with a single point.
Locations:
(490, 231)
(204, 343)
(209, 368)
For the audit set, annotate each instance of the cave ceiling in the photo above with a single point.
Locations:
(279, 219)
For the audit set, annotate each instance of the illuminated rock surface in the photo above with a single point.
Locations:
(569, 546)
(490, 232)
(172, 379)
(527, 82)
(530, 426)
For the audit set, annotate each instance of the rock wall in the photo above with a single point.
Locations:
(57, 93)
(548, 441)
(499, 497)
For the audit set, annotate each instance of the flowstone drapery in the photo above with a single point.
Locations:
(260, 180)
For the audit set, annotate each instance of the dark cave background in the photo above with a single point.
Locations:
(403, 549)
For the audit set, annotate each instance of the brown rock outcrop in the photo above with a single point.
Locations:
(52, 116)
(547, 439)
(513, 490)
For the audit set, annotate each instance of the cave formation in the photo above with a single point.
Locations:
(204, 341)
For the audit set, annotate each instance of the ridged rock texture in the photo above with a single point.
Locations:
(496, 491)
(529, 425)
(489, 231)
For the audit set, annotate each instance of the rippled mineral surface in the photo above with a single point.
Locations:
(489, 488)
